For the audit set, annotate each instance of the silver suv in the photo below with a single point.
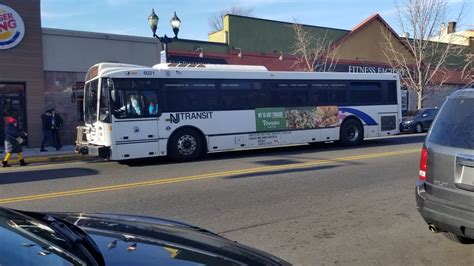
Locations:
(445, 188)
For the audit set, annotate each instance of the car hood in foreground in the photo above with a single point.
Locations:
(141, 240)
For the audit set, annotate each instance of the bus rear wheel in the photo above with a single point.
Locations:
(351, 133)
(185, 145)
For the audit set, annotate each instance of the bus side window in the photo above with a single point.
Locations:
(330, 93)
(321, 97)
(135, 98)
(241, 94)
(150, 100)
(190, 95)
(289, 93)
(392, 95)
(320, 93)
(366, 93)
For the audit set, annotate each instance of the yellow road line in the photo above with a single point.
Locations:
(200, 177)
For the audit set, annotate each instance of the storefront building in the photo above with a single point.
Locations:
(21, 67)
(43, 68)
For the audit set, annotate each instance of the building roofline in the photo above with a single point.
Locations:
(362, 25)
(286, 22)
(118, 37)
(97, 35)
(202, 42)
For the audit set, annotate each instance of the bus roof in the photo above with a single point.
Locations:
(172, 70)
(171, 66)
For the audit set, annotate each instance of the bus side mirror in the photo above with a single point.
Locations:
(110, 85)
(113, 95)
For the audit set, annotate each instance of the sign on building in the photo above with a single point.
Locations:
(374, 69)
(12, 28)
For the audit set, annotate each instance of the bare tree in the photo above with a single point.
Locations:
(427, 63)
(468, 70)
(313, 53)
(215, 19)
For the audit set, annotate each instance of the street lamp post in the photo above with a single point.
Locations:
(165, 40)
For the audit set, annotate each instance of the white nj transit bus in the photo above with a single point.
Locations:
(184, 111)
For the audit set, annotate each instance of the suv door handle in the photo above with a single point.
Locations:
(466, 160)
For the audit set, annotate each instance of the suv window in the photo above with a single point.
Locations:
(454, 126)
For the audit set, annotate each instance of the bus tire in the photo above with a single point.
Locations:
(185, 145)
(352, 132)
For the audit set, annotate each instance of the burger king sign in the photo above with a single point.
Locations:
(12, 28)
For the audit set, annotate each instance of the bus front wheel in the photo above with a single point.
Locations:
(351, 133)
(185, 145)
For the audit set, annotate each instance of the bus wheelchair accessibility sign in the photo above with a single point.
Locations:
(12, 28)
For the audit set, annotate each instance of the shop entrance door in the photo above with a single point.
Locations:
(12, 103)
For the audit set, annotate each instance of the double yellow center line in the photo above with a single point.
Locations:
(201, 176)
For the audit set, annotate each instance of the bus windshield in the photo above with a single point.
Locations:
(90, 101)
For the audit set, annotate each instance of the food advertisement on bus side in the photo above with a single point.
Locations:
(269, 119)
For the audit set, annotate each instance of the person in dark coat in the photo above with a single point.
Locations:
(56, 124)
(47, 130)
(13, 140)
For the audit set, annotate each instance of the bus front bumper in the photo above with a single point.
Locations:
(94, 150)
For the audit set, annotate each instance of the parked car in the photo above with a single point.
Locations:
(418, 120)
(34, 238)
(445, 188)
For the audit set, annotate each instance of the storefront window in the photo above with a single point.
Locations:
(12, 103)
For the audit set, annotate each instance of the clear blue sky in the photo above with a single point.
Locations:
(129, 17)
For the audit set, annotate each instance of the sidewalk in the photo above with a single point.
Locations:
(33, 155)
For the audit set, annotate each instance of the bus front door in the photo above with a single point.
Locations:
(135, 138)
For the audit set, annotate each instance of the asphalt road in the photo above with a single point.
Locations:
(309, 205)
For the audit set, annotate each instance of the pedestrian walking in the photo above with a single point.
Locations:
(13, 140)
(56, 124)
(47, 130)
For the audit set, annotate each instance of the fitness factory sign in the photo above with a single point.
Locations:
(12, 28)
